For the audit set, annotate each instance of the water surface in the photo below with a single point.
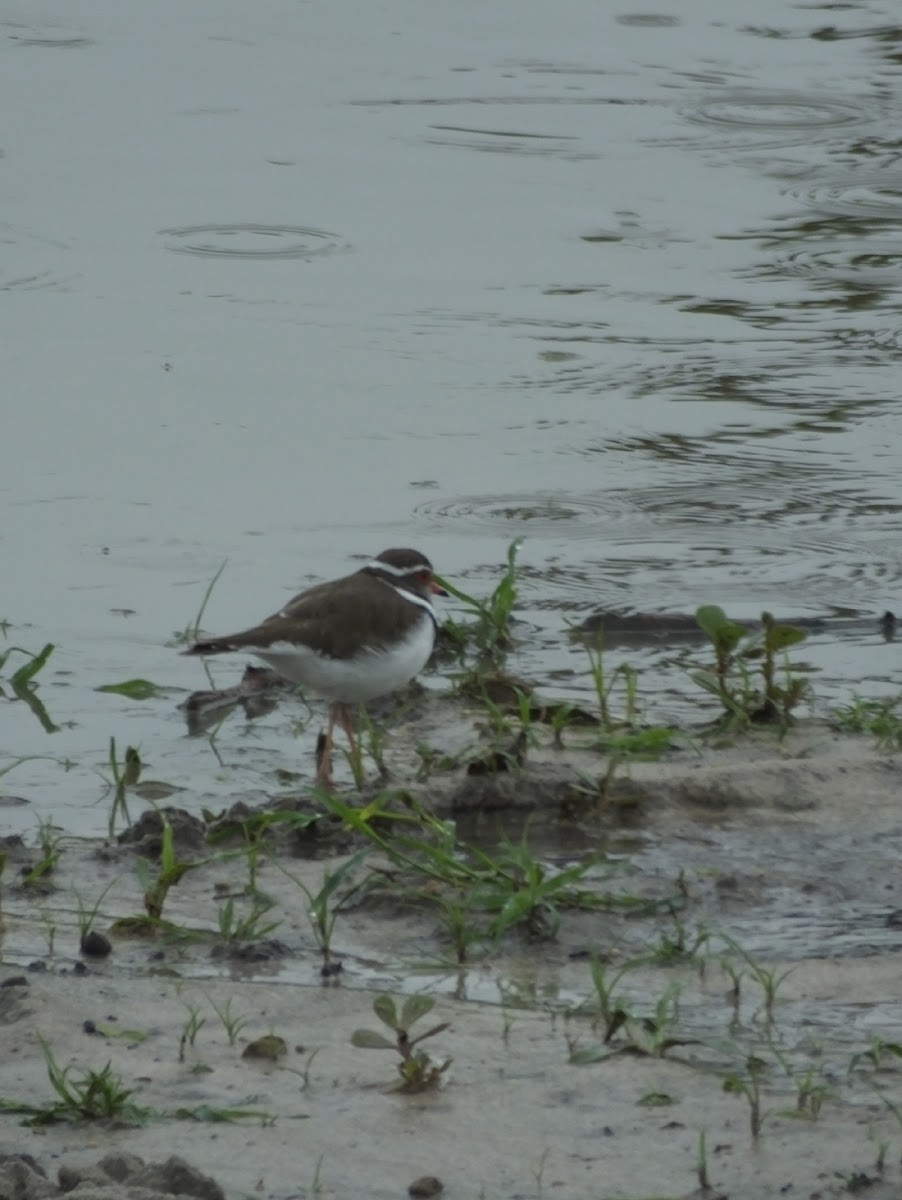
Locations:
(285, 284)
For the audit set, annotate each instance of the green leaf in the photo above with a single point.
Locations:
(714, 622)
(711, 619)
(590, 1054)
(384, 1008)
(781, 637)
(31, 668)
(134, 689)
(369, 1039)
(707, 680)
(415, 1007)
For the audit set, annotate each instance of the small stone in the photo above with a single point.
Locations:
(96, 945)
(426, 1185)
(270, 1047)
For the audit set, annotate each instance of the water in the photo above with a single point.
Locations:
(286, 283)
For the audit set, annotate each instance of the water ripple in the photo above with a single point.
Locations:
(538, 514)
(250, 241)
(753, 108)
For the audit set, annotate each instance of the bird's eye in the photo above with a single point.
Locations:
(424, 576)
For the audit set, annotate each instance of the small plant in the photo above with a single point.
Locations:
(132, 689)
(613, 1011)
(768, 980)
(682, 945)
(748, 1084)
(248, 928)
(605, 685)
(87, 916)
(49, 839)
(49, 931)
(431, 760)
(880, 718)
(122, 777)
(417, 1070)
(490, 631)
(231, 1022)
(192, 1027)
(169, 872)
(811, 1092)
(191, 632)
(326, 903)
(876, 1055)
(92, 1095)
(731, 681)
(656, 1034)
(27, 672)
(457, 913)
(526, 890)
(22, 683)
(651, 1035)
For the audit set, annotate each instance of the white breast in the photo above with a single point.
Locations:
(370, 674)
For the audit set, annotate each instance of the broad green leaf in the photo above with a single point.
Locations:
(369, 1039)
(781, 637)
(134, 689)
(415, 1007)
(384, 1008)
(724, 633)
(711, 619)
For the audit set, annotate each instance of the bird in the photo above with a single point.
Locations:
(349, 640)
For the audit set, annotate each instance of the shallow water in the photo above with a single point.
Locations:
(286, 284)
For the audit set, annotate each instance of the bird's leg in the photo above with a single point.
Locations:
(324, 751)
(344, 719)
(354, 756)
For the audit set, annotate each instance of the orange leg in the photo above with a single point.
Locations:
(324, 751)
(344, 719)
(338, 712)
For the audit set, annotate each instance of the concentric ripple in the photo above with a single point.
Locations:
(874, 197)
(538, 514)
(778, 117)
(250, 241)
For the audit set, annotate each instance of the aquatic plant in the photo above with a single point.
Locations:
(81, 1096)
(22, 682)
(324, 904)
(87, 916)
(232, 1023)
(191, 632)
(122, 776)
(417, 1070)
(882, 719)
(49, 838)
(744, 701)
(489, 632)
(747, 1083)
(168, 872)
(236, 929)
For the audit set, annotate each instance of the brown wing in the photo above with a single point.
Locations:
(371, 614)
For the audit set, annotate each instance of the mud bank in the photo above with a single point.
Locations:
(750, 943)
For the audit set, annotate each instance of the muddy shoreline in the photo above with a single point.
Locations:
(763, 859)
